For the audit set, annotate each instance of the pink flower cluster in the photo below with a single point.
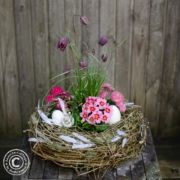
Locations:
(58, 92)
(96, 110)
(116, 96)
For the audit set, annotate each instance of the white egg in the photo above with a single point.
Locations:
(116, 115)
(57, 116)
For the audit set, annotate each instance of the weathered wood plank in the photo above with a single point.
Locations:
(123, 30)
(70, 9)
(90, 33)
(55, 25)
(139, 50)
(26, 148)
(40, 47)
(77, 177)
(65, 173)
(107, 24)
(154, 63)
(51, 170)
(9, 84)
(37, 168)
(169, 124)
(22, 12)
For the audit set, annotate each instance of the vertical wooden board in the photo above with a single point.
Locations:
(154, 64)
(40, 47)
(65, 173)
(108, 27)
(3, 127)
(51, 170)
(56, 25)
(90, 34)
(37, 168)
(22, 12)
(122, 62)
(10, 112)
(72, 8)
(169, 112)
(139, 50)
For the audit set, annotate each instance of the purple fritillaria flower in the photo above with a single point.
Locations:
(62, 43)
(83, 64)
(66, 70)
(84, 20)
(103, 40)
(104, 57)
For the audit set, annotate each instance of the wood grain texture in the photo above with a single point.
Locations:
(9, 83)
(139, 48)
(40, 47)
(154, 63)
(22, 12)
(107, 28)
(65, 173)
(37, 168)
(51, 170)
(70, 9)
(55, 25)
(90, 33)
(123, 30)
(169, 124)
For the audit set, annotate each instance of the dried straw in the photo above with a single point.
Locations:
(103, 155)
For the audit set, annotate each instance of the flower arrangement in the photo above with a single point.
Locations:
(89, 124)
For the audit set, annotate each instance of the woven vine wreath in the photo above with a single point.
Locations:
(121, 141)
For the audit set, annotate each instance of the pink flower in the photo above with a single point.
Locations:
(101, 103)
(59, 106)
(93, 108)
(97, 116)
(116, 96)
(105, 118)
(91, 119)
(49, 98)
(57, 90)
(84, 116)
(121, 106)
(103, 94)
(107, 87)
(108, 110)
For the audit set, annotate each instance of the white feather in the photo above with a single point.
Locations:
(115, 138)
(32, 140)
(124, 142)
(121, 133)
(68, 139)
(82, 138)
(35, 140)
(81, 146)
(43, 137)
(129, 103)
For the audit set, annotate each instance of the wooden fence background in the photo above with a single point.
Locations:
(146, 68)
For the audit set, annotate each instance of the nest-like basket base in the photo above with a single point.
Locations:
(103, 155)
